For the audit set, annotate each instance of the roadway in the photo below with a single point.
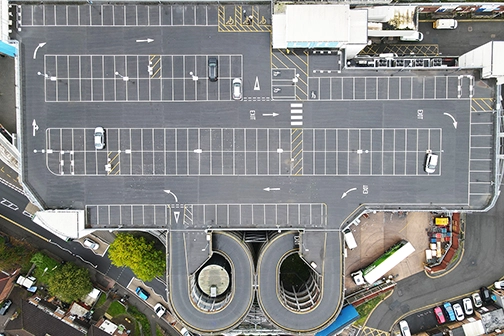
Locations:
(17, 224)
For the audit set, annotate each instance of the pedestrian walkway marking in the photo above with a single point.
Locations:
(296, 114)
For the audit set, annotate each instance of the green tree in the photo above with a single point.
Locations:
(14, 255)
(139, 255)
(46, 266)
(70, 282)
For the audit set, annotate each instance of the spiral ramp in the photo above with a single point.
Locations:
(319, 301)
(199, 312)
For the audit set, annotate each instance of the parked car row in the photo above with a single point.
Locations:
(159, 309)
(449, 312)
(456, 311)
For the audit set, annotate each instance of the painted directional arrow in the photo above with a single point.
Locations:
(256, 84)
(270, 189)
(35, 127)
(40, 45)
(454, 121)
(346, 192)
(149, 40)
(270, 114)
(170, 192)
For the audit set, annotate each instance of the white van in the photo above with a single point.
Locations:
(445, 24)
(415, 36)
(349, 239)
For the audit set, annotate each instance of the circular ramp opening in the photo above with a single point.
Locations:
(299, 284)
(211, 286)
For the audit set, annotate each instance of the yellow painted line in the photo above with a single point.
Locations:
(159, 60)
(302, 60)
(279, 60)
(238, 14)
(115, 166)
(26, 229)
(302, 81)
(297, 162)
(155, 73)
(300, 133)
(115, 157)
(294, 64)
(301, 90)
(295, 156)
(478, 104)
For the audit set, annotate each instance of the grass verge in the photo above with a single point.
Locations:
(101, 300)
(116, 309)
(366, 308)
(141, 319)
(159, 331)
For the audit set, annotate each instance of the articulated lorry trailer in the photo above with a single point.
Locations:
(390, 259)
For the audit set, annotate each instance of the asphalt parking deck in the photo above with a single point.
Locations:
(309, 143)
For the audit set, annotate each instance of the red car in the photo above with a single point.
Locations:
(439, 315)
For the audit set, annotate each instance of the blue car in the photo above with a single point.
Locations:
(449, 311)
(142, 294)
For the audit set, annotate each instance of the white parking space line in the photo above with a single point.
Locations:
(109, 15)
(390, 88)
(257, 214)
(136, 78)
(244, 152)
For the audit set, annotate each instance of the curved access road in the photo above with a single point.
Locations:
(242, 284)
(331, 288)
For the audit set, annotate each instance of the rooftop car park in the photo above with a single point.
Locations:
(242, 180)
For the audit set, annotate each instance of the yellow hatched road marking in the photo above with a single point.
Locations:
(115, 169)
(297, 151)
(279, 60)
(482, 104)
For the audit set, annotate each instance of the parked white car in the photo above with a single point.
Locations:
(499, 284)
(477, 300)
(90, 244)
(468, 307)
(159, 309)
(459, 314)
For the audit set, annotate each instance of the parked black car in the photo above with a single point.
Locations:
(485, 295)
